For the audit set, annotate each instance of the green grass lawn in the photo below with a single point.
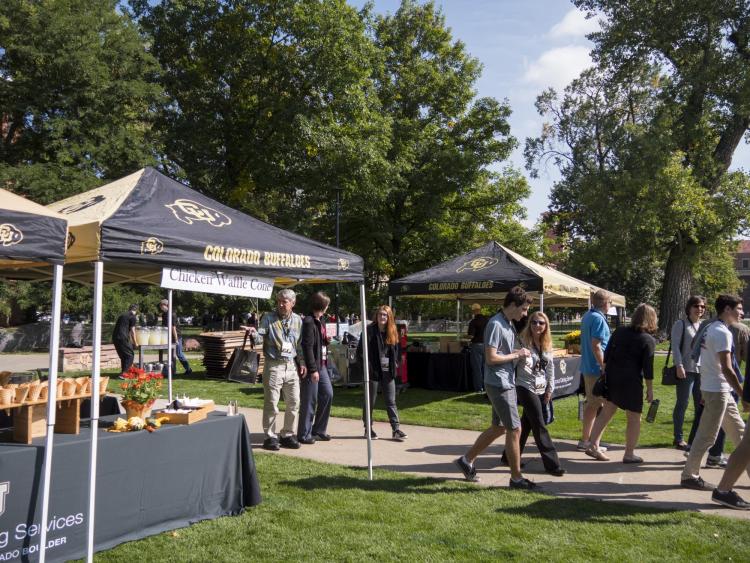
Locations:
(442, 408)
(319, 512)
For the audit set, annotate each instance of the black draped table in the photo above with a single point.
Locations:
(452, 372)
(147, 483)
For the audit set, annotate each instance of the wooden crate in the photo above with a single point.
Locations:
(30, 418)
(194, 415)
(218, 347)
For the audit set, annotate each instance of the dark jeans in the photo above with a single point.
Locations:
(388, 386)
(477, 366)
(125, 351)
(684, 388)
(532, 421)
(315, 404)
(179, 355)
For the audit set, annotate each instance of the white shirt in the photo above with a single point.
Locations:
(718, 339)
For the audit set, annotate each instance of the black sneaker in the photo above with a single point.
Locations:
(469, 471)
(730, 499)
(289, 442)
(524, 484)
(716, 462)
(399, 436)
(322, 437)
(308, 441)
(372, 434)
(696, 483)
(271, 444)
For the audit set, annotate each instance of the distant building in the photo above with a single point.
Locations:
(742, 265)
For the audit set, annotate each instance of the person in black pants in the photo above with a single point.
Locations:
(535, 381)
(123, 337)
(382, 350)
(316, 391)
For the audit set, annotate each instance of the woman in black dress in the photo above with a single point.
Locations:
(628, 360)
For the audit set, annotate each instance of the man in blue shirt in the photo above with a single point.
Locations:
(594, 338)
(502, 350)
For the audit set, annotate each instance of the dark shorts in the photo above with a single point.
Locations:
(504, 407)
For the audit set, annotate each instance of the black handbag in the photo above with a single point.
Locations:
(669, 373)
(243, 364)
(600, 387)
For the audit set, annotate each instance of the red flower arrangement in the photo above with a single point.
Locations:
(141, 387)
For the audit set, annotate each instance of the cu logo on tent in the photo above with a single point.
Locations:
(188, 211)
(10, 235)
(478, 264)
(152, 245)
(71, 240)
(562, 366)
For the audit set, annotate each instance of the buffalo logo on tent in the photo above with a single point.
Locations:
(152, 245)
(85, 204)
(187, 211)
(10, 235)
(562, 366)
(343, 264)
(478, 264)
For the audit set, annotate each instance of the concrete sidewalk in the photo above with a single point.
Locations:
(431, 451)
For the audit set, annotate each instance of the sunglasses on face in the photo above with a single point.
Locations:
(699, 306)
(538, 323)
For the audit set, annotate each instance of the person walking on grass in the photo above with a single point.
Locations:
(594, 338)
(719, 376)
(630, 361)
(281, 330)
(502, 351)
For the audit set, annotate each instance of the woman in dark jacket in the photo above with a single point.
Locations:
(383, 354)
(628, 360)
(315, 387)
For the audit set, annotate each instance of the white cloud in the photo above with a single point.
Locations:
(574, 24)
(557, 67)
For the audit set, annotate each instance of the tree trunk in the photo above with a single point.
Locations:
(678, 278)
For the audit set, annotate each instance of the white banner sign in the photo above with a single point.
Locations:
(216, 281)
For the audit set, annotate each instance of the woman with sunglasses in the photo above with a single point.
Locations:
(535, 381)
(688, 378)
(628, 360)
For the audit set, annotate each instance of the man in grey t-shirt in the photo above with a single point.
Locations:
(502, 350)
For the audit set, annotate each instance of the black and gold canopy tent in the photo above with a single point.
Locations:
(33, 236)
(130, 230)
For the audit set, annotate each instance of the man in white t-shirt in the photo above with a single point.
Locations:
(718, 380)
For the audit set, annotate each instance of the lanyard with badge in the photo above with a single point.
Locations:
(385, 362)
(287, 350)
(540, 372)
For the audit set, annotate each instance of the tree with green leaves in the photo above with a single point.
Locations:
(667, 106)
(77, 94)
(271, 103)
(439, 192)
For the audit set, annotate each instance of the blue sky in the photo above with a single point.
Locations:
(524, 47)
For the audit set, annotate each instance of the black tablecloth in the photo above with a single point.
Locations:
(452, 372)
(438, 370)
(147, 483)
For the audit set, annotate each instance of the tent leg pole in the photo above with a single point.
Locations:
(95, 373)
(390, 301)
(366, 377)
(541, 302)
(170, 366)
(458, 319)
(54, 345)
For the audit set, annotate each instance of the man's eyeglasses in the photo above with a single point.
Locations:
(539, 323)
